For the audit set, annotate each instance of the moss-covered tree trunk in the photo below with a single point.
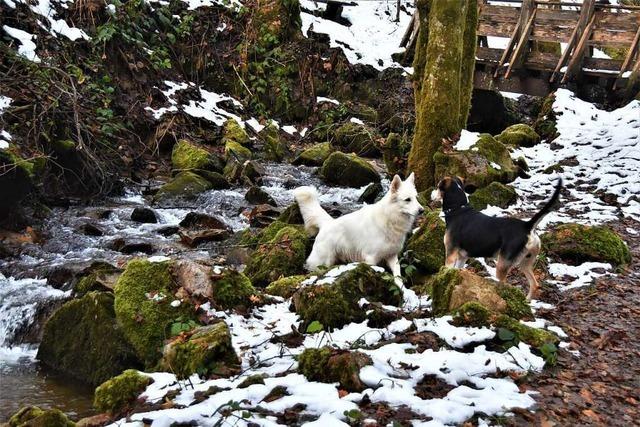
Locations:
(420, 56)
(445, 93)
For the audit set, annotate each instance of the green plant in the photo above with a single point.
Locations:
(315, 326)
(180, 325)
(549, 353)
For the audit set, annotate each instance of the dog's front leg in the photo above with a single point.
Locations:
(394, 266)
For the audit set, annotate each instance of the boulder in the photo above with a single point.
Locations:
(427, 244)
(395, 150)
(217, 180)
(283, 255)
(194, 278)
(356, 138)
(83, 340)
(258, 196)
(33, 416)
(494, 194)
(90, 229)
(144, 215)
(231, 288)
(16, 181)
(451, 289)
(197, 228)
(275, 148)
(145, 305)
(132, 246)
(236, 153)
(188, 156)
(488, 160)
(334, 366)
(115, 395)
(285, 287)
(492, 112)
(371, 194)
(519, 135)
(545, 124)
(185, 185)
(99, 276)
(233, 131)
(332, 298)
(348, 170)
(576, 243)
(315, 155)
(291, 215)
(533, 336)
(205, 350)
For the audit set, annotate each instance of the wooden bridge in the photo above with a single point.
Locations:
(534, 46)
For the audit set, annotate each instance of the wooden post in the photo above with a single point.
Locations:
(628, 58)
(633, 84)
(526, 11)
(584, 28)
(519, 53)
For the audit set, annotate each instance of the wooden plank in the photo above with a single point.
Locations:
(409, 30)
(578, 54)
(628, 58)
(633, 84)
(507, 50)
(518, 54)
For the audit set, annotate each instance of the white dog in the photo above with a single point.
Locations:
(372, 234)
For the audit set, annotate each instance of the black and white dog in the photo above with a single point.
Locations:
(470, 233)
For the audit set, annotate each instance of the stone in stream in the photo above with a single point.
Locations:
(258, 196)
(263, 215)
(197, 228)
(371, 193)
(89, 229)
(314, 155)
(115, 395)
(132, 247)
(144, 215)
(348, 170)
(33, 416)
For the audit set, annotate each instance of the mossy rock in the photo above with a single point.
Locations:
(232, 289)
(533, 336)
(450, 289)
(285, 287)
(395, 150)
(488, 160)
(494, 194)
(217, 180)
(233, 131)
(356, 138)
(253, 239)
(205, 350)
(275, 148)
(362, 111)
(115, 395)
(143, 296)
(334, 366)
(472, 314)
(185, 185)
(545, 124)
(315, 155)
(99, 276)
(519, 135)
(33, 416)
(252, 380)
(236, 152)
(348, 170)
(427, 244)
(281, 256)
(16, 181)
(332, 300)
(576, 243)
(291, 215)
(187, 156)
(83, 340)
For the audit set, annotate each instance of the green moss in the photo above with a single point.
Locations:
(334, 304)
(187, 155)
(315, 155)
(291, 215)
(557, 168)
(100, 276)
(468, 60)
(348, 170)
(253, 239)
(439, 287)
(494, 194)
(517, 305)
(280, 18)
(532, 336)
(234, 151)
(63, 146)
(143, 296)
(576, 243)
(312, 363)
(217, 180)
(545, 124)
(33, 416)
(232, 131)
(274, 148)
(283, 255)
(326, 365)
(427, 244)
(185, 185)
(83, 340)
(232, 289)
(206, 351)
(519, 135)
(116, 394)
(355, 138)
(251, 380)
(285, 287)
(420, 55)
(394, 153)
(472, 314)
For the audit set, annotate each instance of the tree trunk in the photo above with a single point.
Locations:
(420, 55)
(444, 94)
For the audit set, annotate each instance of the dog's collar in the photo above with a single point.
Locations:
(449, 212)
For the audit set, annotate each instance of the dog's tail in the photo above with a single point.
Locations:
(312, 213)
(533, 222)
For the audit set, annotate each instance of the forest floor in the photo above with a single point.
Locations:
(602, 385)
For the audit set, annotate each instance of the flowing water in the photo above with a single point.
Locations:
(26, 296)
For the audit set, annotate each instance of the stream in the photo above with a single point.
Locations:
(31, 286)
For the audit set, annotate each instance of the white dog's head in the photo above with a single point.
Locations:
(403, 195)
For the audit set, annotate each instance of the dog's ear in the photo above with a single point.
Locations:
(395, 184)
(411, 178)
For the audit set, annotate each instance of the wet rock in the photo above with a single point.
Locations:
(348, 170)
(144, 215)
(532, 336)
(132, 247)
(395, 150)
(576, 243)
(334, 366)
(217, 181)
(315, 155)
(494, 194)
(275, 148)
(94, 421)
(205, 350)
(291, 215)
(188, 156)
(197, 228)
(491, 112)
(519, 135)
(89, 229)
(33, 416)
(83, 340)
(333, 297)
(285, 287)
(263, 215)
(118, 393)
(426, 245)
(252, 172)
(16, 181)
(231, 288)
(145, 296)
(194, 278)
(258, 196)
(488, 160)
(168, 231)
(185, 185)
(356, 138)
(283, 255)
(371, 194)
(99, 276)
